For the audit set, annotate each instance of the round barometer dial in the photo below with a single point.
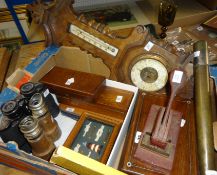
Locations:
(149, 75)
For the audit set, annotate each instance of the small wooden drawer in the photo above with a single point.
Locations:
(114, 98)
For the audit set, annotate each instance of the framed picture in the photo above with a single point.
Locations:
(112, 15)
(94, 135)
(116, 15)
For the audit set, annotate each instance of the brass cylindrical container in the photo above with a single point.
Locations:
(46, 121)
(203, 107)
(41, 145)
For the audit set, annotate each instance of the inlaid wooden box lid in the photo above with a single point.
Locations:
(71, 83)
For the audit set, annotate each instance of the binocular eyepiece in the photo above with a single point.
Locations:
(29, 89)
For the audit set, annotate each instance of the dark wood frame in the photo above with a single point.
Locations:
(116, 123)
(185, 161)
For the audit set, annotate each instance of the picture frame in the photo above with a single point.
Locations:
(94, 135)
(117, 15)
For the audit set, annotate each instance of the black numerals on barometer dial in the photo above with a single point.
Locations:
(149, 75)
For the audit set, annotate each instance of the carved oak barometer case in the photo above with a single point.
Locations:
(133, 59)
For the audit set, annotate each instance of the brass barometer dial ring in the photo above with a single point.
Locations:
(149, 74)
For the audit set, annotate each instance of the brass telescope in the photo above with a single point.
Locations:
(204, 118)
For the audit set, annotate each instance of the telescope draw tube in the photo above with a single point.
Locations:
(205, 142)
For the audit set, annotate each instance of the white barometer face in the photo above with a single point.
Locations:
(149, 75)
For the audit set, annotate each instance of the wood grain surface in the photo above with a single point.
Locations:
(5, 55)
(115, 98)
(185, 162)
(81, 106)
(27, 53)
(82, 85)
(5, 170)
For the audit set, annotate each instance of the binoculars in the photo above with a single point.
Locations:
(28, 120)
(13, 112)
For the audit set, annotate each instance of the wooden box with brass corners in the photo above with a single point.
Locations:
(134, 59)
(185, 158)
(94, 135)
